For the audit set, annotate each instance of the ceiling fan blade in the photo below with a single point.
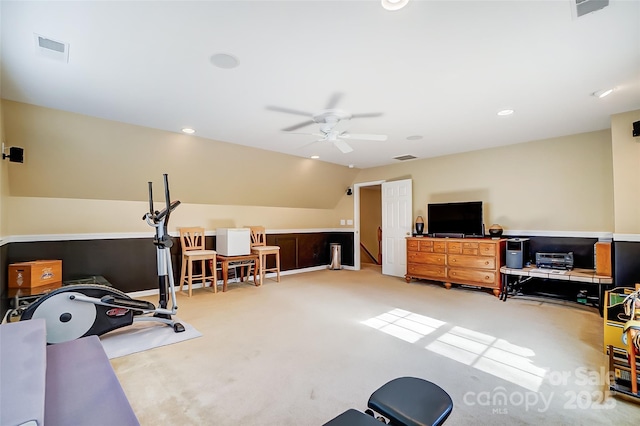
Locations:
(310, 143)
(367, 114)
(364, 137)
(333, 101)
(342, 146)
(289, 110)
(298, 126)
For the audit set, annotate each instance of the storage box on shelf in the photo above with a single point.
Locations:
(35, 274)
(474, 262)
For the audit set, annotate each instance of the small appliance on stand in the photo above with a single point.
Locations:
(517, 253)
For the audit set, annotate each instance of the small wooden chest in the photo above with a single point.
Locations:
(35, 274)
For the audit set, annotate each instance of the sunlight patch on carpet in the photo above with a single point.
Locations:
(142, 336)
(482, 351)
(404, 325)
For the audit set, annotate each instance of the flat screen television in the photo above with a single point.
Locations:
(455, 219)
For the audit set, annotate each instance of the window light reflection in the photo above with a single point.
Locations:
(484, 352)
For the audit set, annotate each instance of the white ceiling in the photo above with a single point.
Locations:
(438, 69)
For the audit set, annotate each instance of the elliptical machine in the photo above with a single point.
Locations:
(80, 310)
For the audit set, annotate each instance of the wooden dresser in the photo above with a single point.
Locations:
(466, 261)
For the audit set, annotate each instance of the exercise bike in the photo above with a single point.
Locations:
(80, 310)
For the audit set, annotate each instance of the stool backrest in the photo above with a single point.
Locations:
(192, 238)
(258, 236)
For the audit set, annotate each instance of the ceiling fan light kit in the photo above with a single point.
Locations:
(328, 119)
(394, 4)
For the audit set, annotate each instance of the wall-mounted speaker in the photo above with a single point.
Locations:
(636, 129)
(16, 155)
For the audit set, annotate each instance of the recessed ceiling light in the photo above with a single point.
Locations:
(224, 60)
(315, 157)
(188, 131)
(394, 4)
(414, 137)
(602, 93)
(505, 112)
(351, 166)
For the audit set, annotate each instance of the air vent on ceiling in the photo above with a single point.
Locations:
(404, 157)
(50, 48)
(582, 7)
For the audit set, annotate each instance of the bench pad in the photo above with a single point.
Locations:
(412, 401)
(353, 417)
(82, 388)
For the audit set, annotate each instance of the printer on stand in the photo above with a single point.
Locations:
(555, 260)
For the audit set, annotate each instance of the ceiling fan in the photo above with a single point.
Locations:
(328, 118)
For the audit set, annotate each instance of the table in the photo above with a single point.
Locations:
(574, 275)
(227, 262)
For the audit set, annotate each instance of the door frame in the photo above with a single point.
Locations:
(356, 219)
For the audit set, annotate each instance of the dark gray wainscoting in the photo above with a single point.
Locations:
(129, 264)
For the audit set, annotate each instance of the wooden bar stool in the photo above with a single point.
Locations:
(259, 246)
(193, 250)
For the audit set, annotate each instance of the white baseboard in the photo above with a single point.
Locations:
(143, 293)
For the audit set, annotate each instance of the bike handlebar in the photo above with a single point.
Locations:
(158, 216)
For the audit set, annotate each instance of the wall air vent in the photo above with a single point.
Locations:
(50, 48)
(404, 157)
(582, 7)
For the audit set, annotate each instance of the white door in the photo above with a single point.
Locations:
(397, 223)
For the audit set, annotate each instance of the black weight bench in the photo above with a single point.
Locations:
(405, 401)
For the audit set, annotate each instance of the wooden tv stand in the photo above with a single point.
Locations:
(468, 261)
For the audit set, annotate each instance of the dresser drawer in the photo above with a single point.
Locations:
(430, 271)
(487, 249)
(454, 247)
(439, 247)
(417, 244)
(463, 261)
(426, 246)
(429, 258)
(470, 248)
(469, 275)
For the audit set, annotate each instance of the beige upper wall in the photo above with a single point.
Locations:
(508, 179)
(75, 156)
(4, 180)
(76, 216)
(560, 184)
(4, 184)
(626, 173)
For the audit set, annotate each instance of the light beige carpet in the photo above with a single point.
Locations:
(302, 351)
